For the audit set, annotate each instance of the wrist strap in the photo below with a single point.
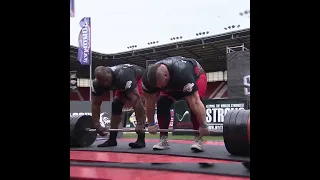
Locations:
(204, 125)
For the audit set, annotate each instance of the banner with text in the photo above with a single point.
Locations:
(72, 12)
(84, 108)
(84, 40)
(215, 111)
(132, 122)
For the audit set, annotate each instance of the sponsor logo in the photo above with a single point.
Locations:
(188, 87)
(128, 85)
(180, 118)
(84, 39)
(215, 112)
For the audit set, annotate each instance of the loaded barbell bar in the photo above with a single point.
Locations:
(236, 131)
(158, 130)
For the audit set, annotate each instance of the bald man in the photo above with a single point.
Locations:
(126, 80)
(173, 79)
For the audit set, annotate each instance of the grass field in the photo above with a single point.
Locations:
(176, 137)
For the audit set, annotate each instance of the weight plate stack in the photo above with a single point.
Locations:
(78, 136)
(235, 132)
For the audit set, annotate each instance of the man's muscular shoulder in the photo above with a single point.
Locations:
(95, 85)
(125, 73)
(97, 89)
(146, 87)
(125, 79)
(145, 80)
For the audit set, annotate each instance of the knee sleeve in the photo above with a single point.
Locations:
(164, 104)
(163, 111)
(117, 106)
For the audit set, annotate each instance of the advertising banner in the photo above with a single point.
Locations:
(84, 40)
(215, 111)
(131, 119)
(84, 108)
(72, 12)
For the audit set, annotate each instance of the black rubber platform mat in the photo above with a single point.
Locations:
(211, 151)
(225, 169)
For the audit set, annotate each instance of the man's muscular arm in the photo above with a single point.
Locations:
(197, 107)
(137, 105)
(190, 89)
(97, 92)
(95, 109)
(150, 106)
(151, 95)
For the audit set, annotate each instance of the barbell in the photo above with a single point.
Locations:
(236, 131)
(159, 130)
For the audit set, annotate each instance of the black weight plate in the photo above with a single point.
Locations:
(228, 134)
(232, 142)
(246, 143)
(81, 138)
(73, 121)
(236, 134)
(226, 123)
(243, 147)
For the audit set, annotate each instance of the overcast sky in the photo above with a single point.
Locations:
(119, 24)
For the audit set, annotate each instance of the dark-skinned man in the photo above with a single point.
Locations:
(173, 79)
(126, 79)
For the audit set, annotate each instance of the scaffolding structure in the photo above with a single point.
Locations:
(236, 48)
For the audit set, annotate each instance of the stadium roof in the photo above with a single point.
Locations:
(210, 52)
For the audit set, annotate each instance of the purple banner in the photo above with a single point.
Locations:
(71, 8)
(84, 39)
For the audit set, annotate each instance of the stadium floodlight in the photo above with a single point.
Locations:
(132, 47)
(232, 27)
(153, 43)
(202, 33)
(245, 13)
(176, 38)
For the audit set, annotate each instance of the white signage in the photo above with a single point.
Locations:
(215, 113)
(246, 83)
